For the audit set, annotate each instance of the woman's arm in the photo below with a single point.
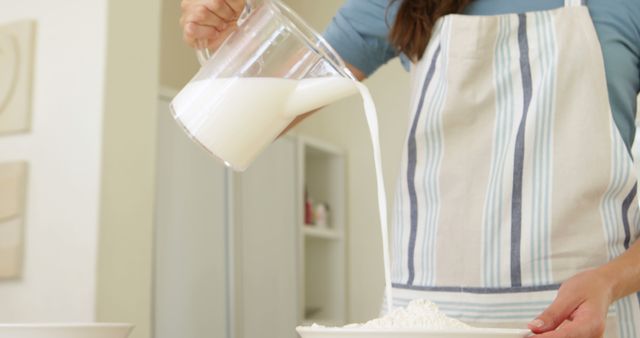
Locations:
(581, 306)
(624, 272)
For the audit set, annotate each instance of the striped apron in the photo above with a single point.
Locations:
(514, 176)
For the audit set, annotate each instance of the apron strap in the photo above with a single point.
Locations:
(575, 3)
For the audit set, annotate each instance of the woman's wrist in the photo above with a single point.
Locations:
(622, 275)
(610, 279)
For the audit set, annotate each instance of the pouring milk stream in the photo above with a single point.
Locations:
(270, 70)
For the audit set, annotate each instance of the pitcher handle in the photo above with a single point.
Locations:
(203, 53)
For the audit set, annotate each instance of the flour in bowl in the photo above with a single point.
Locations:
(419, 314)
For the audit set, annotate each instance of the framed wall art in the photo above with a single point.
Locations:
(13, 182)
(16, 62)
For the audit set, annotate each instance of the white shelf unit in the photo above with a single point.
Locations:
(322, 268)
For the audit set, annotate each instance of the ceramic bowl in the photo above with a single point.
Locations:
(89, 330)
(322, 332)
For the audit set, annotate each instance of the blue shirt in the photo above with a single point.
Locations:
(359, 33)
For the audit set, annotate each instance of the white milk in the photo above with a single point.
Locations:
(372, 121)
(236, 118)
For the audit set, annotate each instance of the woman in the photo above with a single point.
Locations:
(517, 196)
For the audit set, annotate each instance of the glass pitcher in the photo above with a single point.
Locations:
(272, 68)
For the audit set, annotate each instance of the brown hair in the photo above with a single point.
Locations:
(414, 23)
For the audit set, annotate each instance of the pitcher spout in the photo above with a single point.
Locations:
(315, 93)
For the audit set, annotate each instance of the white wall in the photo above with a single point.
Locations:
(63, 151)
(178, 63)
(125, 261)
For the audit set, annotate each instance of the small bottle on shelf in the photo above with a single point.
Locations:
(322, 215)
(308, 209)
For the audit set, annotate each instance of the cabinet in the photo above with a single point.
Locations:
(265, 230)
(191, 289)
(322, 270)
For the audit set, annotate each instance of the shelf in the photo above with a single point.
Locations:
(311, 231)
(323, 264)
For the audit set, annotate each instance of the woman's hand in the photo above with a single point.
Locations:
(580, 308)
(206, 23)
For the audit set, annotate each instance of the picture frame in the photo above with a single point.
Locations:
(17, 47)
(13, 183)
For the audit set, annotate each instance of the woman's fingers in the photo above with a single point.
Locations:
(193, 33)
(584, 324)
(236, 5)
(201, 15)
(209, 21)
(221, 9)
(569, 330)
(559, 311)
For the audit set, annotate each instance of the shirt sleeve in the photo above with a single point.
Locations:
(633, 30)
(627, 23)
(359, 33)
(636, 21)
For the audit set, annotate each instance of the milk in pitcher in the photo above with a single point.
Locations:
(247, 114)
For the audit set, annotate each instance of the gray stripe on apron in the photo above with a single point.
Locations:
(625, 215)
(518, 167)
(625, 220)
(411, 170)
(479, 290)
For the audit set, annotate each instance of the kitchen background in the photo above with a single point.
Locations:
(126, 220)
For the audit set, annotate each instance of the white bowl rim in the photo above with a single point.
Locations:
(66, 325)
(311, 329)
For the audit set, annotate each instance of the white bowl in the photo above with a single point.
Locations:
(322, 332)
(89, 330)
